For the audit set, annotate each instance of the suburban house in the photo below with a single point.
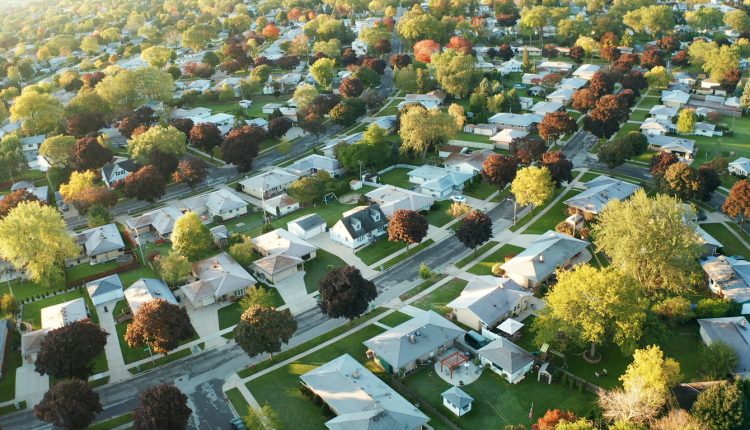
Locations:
(560, 67)
(361, 400)
(158, 223)
(221, 203)
(534, 265)
(98, 245)
(197, 114)
(681, 147)
(283, 254)
(505, 137)
(307, 226)
(429, 100)
(402, 349)
(674, 98)
(104, 290)
(118, 170)
(52, 317)
(709, 244)
(41, 193)
(391, 198)
(729, 278)
(572, 84)
(280, 205)
(734, 332)
(506, 359)
(437, 181)
(663, 113)
(217, 279)
(146, 289)
(543, 108)
(329, 150)
(516, 121)
(313, 164)
(360, 226)
(510, 66)
(268, 108)
(561, 95)
(705, 129)
(599, 192)
(657, 127)
(223, 121)
(740, 167)
(457, 401)
(268, 184)
(586, 71)
(468, 162)
(486, 301)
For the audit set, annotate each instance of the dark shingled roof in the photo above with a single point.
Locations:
(366, 217)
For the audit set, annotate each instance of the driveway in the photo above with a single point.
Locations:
(294, 293)
(116, 363)
(30, 385)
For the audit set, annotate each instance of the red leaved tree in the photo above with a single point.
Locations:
(424, 49)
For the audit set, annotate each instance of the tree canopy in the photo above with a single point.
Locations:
(263, 330)
(344, 293)
(69, 351)
(160, 325)
(190, 237)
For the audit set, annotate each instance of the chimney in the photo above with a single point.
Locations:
(541, 258)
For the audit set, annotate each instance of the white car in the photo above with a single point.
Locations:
(245, 103)
(458, 199)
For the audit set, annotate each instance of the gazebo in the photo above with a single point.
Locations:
(453, 361)
(510, 326)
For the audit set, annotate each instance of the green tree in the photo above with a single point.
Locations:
(90, 45)
(257, 296)
(304, 94)
(593, 306)
(309, 189)
(718, 360)
(130, 88)
(243, 251)
(651, 370)
(533, 185)
(681, 181)
(190, 237)
(174, 268)
(722, 406)
(40, 113)
(653, 20)
(263, 330)
(722, 61)
(745, 99)
(456, 73)
(417, 25)
(197, 36)
(424, 129)
(58, 150)
(324, 70)
(97, 216)
(35, 239)
(705, 18)
(686, 121)
(157, 56)
(87, 102)
(658, 77)
(648, 239)
(167, 139)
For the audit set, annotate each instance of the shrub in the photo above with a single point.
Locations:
(497, 270)
(674, 310)
(424, 271)
(716, 308)
(564, 228)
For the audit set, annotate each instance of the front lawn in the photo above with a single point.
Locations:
(404, 255)
(737, 145)
(484, 267)
(588, 176)
(330, 212)
(481, 250)
(112, 423)
(379, 250)
(523, 220)
(470, 137)
(639, 115)
(480, 191)
(626, 128)
(131, 355)
(316, 268)
(395, 319)
(648, 102)
(398, 177)
(230, 315)
(436, 216)
(13, 360)
(445, 294)
(730, 244)
(238, 401)
(553, 216)
(728, 181)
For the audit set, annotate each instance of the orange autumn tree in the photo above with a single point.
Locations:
(270, 31)
(424, 49)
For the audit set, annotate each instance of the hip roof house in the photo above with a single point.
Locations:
(486, 301)
(219, 278)
(539, 261)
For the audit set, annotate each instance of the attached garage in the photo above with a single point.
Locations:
(105, 290)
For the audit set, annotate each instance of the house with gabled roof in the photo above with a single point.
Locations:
(391, 198)
(586, 71)
(145, 290)
(117, 170)
(729, 277)
(268, 184)
(599, 192)
(471, 162)
(680, 146)
(216, 279)
(313, 164)
(105, 290)
(361, 400)
(158, 222)
(400, 350)
(307, 226)
(506, 359)
(740, 167)
(516, 121)
(486, 301)
(284, 254)
(437, 181)
(674, 98)
(552, 250)
(222, 203)
(360, 226)
(98, 245)
(505, 137)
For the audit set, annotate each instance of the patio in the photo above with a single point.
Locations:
(457, 369)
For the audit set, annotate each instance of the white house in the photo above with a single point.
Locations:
(506, 136)
(223, 121)
(586, 71)
(117, 170)
(663, 113)
(284, 254)
(457, 401)
(543, 108)
(572, 83)
(391, 198)
(510, 66)
(268, 184)
(360, 226)
(560, 67)
(52, 317)
(217, 279)
(599, 192)
(705, 129)
(656, 127)
(729, 278)
(561, 95)
(675, 98)
(523, 121)
(481, 129)
(683, 148)
(105, 290)
(467, 162)
(280, 205)
(544, 256)
(486, 301)
(506, 359)
(158, 222)
(438, 182)
(307, 226)
(221, 203)
(740, 167)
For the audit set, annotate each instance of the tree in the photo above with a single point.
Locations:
(345, 293)
(88, 154)
(422, 129)
(424, 49)
(677, 419)
(661, 162)
(638, 405)
(499, 170)
(324, 70)
(185, 125)
(351, 87)
(719, 62)
(278, 127)
(553, 417)
(533, 185)
(173, 268)
(98, 216)
(145, 184)
(70, 404)
(156, 56)
(475, 230)
(10, 201)
(407, 226)
(69, 351)
(84, 191)
(309, 189)
(205, 136)
(130, 88)
(704, 19)
(240, 146)
(304, 94)
(737, 204)
(581, 424)
(709, 180)
(686, 121)
(40, 113)
(399, 61)
(266, 416)
(661, 251)
(160, 325)
(35, 239)
(651, 370)
(190, 237)
(681, 180)
(590, 306)
(738, 20)
(718, 360)
(576, 53)
(84, 124)
(560, 168)
(555, 125)
(263, 329)
(650, 19)
(658, 77)
(196, 37)
(456, 73)
(164, 162)
(158, 138)
(457, 112)
(161, 406)
(348, 111)
(583, 99)
(372, 151)
(191, 171)
(722, 406)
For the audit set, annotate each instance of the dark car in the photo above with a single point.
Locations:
(237, 424)
(700, 216)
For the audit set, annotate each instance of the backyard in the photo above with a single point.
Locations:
(484, 267)
(397, 177)
(32, 312)
(737, 145)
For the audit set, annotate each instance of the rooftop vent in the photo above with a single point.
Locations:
(541, 258)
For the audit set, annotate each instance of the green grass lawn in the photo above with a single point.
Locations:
(555, 214)
(9, 409)
(484, 267)
(397, 177)
(520, 222)
(639, 115)
(245, 222)
(481, 191)
(470, 137)
(298, 412)
(645, 157)
(588, 176)
(112, 423)
(379, 250)
(728, 181)
(32, 312)
(734, 146)
(84, 270)
(23, 289)
(498, 403)
(238, 401)
(481, 250)
(625, 129)
(129, 277)
(330, 212)
(648, 102)
(731, 245)
(404, 255)
(390, 110)
(230, 315)
(437, 299)
(316, 268)
(427, 283)
(438, 217)
(160, 361)
(395, 319)
(131, 355)
(13, 360)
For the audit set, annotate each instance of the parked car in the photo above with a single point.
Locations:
(700, 216)
(519, 86)
(245, 103)
(458, 199)
(238, 424)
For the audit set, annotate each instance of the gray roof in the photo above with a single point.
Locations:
(390, 199)
(147, 289)
(281, 241)
(100, 240)
(489, 298)
(308, 222)
(3, 340)
(127, 165)
(314, 161)
(217, 276)
(438, 178)
(733, 331)
(395, 347)
(360, 399)
(730, 276)
(457, 397)
(506, 355)
(161, 220)
(600, 193)
(544, 256)
(104, 285)
(365, 215)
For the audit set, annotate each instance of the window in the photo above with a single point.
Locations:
(376, 216)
